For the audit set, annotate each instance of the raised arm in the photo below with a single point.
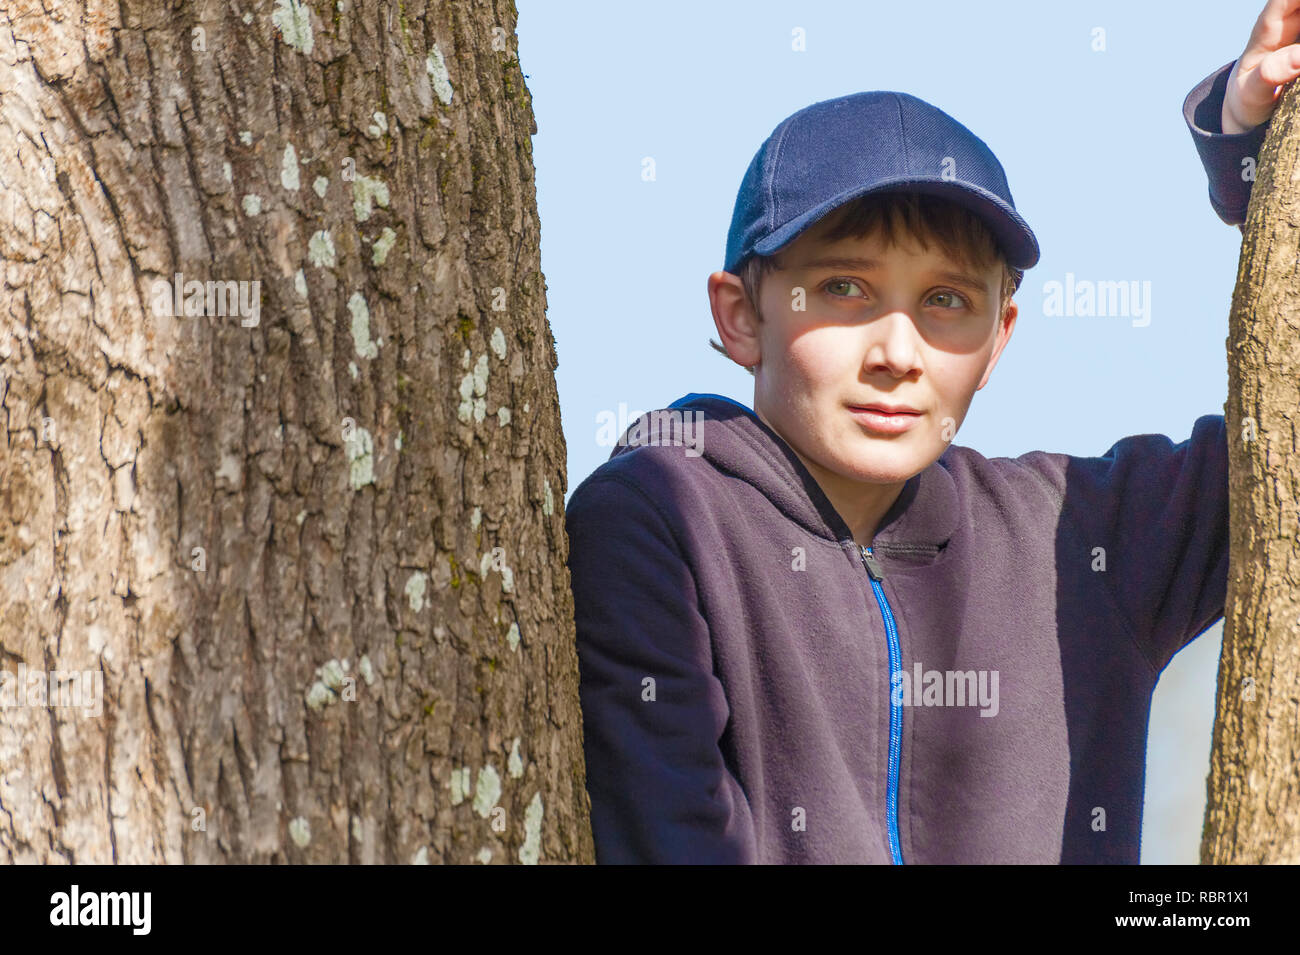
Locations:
(1228, 112)
(1229, 158)
(1157, 512)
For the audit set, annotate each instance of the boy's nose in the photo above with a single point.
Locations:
(891, 343)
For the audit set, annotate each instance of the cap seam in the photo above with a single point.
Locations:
(902, 135)
(771, 175)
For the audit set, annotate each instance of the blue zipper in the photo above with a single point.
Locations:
(895, 708)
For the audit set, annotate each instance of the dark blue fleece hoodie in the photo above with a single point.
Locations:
(974, 687)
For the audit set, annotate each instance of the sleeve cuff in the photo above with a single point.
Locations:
(1221, 153)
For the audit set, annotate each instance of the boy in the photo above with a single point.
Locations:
(814, 632)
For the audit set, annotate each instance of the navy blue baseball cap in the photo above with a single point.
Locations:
(839, 149)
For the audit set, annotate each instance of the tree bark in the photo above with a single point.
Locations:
(313, 546)
(1253, 806)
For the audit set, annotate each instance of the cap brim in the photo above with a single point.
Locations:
(1012, 232)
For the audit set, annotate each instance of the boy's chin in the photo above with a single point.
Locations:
(887, 465)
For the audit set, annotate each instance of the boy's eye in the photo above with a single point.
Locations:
(959, 300)
(843, 283)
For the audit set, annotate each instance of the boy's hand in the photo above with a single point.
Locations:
(1268, 63)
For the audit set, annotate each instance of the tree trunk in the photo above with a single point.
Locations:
(307, 527)
(1253, 809)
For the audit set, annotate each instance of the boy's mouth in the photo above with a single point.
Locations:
(875, 418)
(884, 409)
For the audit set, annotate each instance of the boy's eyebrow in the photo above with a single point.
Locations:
(851, 262)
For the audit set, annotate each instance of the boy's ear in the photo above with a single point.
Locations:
(1006, 325)
(734, 318)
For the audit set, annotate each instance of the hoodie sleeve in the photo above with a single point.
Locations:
(660, 790)
(1224, 155)
(1159, 513)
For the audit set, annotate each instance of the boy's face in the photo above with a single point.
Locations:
(897, 332)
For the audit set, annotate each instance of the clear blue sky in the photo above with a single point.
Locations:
(1099, 162)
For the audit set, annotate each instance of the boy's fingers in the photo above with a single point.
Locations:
(1279, 67)
(1258, 93)
(1279, 23)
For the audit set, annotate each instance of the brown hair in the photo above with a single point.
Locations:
(961, 234)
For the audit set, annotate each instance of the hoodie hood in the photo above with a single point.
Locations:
(732, 438)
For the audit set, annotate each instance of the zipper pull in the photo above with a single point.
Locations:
(873, 565)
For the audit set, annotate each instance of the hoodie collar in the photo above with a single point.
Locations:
(732, 437)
